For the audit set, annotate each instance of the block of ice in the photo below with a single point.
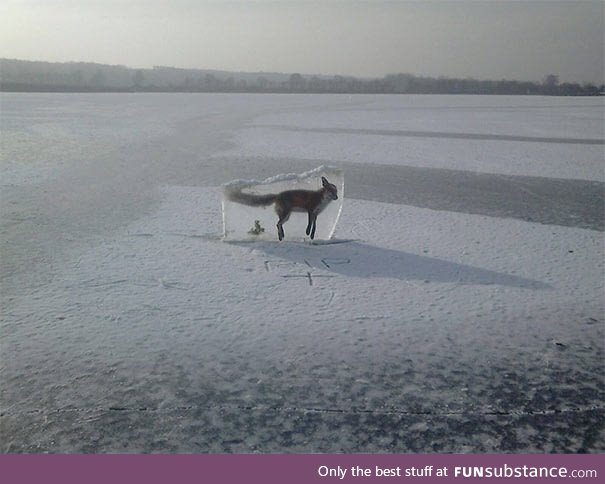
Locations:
(242, 221)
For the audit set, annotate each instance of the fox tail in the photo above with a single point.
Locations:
(235, 194)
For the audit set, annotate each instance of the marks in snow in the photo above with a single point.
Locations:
(296, 270)
(439, 134)
(335, 261)
(160, 282)
(359, 260)
(487, 411)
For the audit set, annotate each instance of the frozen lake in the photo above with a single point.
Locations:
(460, 311)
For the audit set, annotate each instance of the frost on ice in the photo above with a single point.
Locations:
(244, 222)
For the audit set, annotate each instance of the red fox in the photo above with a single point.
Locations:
(310, 201)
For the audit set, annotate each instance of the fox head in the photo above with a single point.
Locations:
(330, 188)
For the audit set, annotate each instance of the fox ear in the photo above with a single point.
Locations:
(324, 181)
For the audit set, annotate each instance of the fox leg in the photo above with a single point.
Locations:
(283, 215)
(312, 224)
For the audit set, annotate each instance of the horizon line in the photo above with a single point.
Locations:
(287, 73)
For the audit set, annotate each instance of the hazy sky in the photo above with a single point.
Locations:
(490, 39)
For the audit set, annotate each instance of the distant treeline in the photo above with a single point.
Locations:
(27, 76)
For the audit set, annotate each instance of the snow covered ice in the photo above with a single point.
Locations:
(457, 308)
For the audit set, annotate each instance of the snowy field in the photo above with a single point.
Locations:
(458, 308)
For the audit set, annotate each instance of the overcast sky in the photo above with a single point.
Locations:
(490, 39)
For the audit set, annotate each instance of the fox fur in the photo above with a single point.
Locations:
(286, 202)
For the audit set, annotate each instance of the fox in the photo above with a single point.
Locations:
(311, 201)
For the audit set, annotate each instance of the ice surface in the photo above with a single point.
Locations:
(247, 223)
(530, 136)
(128, 326)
